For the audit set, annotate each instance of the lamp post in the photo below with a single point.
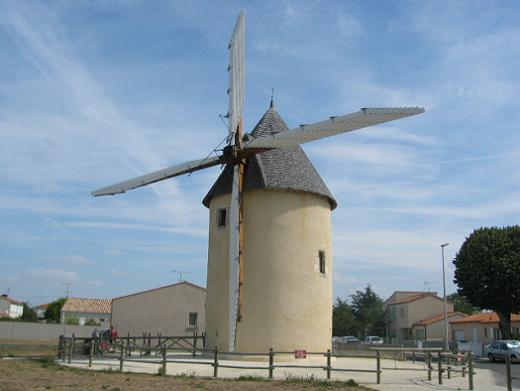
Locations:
(446, 343)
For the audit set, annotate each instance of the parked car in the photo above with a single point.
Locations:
(373, 340)
(349, 339)
(498, 350)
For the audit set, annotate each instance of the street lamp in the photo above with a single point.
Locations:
(446, 343)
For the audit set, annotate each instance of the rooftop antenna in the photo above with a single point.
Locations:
(67, 288)
(271, 104)
(428, 284)
(180, 274)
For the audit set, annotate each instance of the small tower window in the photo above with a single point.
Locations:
(193, 319)
(221, 217)
(322, 258)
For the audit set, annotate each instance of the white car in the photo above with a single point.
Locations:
(373, 340)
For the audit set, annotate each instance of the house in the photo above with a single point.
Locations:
(177, 309)
(481, 327)
(86, 312)
(433, 327)
(407, 309)
(10, 308)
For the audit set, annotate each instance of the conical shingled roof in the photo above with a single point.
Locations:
(278, 169)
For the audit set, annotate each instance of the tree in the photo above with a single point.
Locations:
(343, 322)
(52, 313)
(369, 312)
(487, 272)
(29, 315)
(461, 304)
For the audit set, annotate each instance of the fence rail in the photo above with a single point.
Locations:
(157, 348)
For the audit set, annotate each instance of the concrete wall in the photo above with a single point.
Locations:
(287, 302)
(163, 310)
(41, 331)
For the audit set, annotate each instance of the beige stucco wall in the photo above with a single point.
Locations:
(287, 302)
(164, 310)
(436, 330)
(413, 312)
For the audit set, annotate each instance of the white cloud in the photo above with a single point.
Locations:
(54, 274)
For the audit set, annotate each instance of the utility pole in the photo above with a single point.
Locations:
(446, 342)
(66, 291)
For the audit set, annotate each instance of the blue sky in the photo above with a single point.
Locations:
(94, 92)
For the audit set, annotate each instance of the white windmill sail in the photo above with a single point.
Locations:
(333, 126)
(160, 175)
(236, 106)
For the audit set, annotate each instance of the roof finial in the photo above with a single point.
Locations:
(272, 98)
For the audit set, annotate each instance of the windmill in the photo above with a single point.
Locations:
(235, 156)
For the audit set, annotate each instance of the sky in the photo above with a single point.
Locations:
(95, 92)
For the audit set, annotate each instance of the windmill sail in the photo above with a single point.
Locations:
(160, 175)
(236, 106)
(333, 126)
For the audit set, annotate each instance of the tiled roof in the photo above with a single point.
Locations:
(437, 318)
(42, 306)
(99, 306)
(278, 169)
(411, 298)
(9, 300)
(485, 317)
(3, 314)
(162, 287)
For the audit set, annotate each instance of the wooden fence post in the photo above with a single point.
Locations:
(328, 364)
(73, 343)
(164, 360)
(215, 362)
(121, 355)
(378, 366)
(60, 346)
(429, 360)
(271, 363)
(413, 356)
(70, 351)
(194, 343)
(64, 353)
(91, 353)
(470, 369)
(509, 381)
(128, 349)
(464, 371)
(439, 366)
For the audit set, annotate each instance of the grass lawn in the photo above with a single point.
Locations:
(24, 375)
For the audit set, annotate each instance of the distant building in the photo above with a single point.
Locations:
(86, 311)
(433, 327)
(177, 309)
(40, 310)
(481, 327)
(10, 308)
(407, 309)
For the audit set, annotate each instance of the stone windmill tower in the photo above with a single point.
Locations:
(287, 270)
(270, 263)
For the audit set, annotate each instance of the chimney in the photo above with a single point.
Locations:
(4, 294)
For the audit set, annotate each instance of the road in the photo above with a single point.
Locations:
(499, 371)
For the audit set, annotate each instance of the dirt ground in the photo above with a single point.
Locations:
(24, 375)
